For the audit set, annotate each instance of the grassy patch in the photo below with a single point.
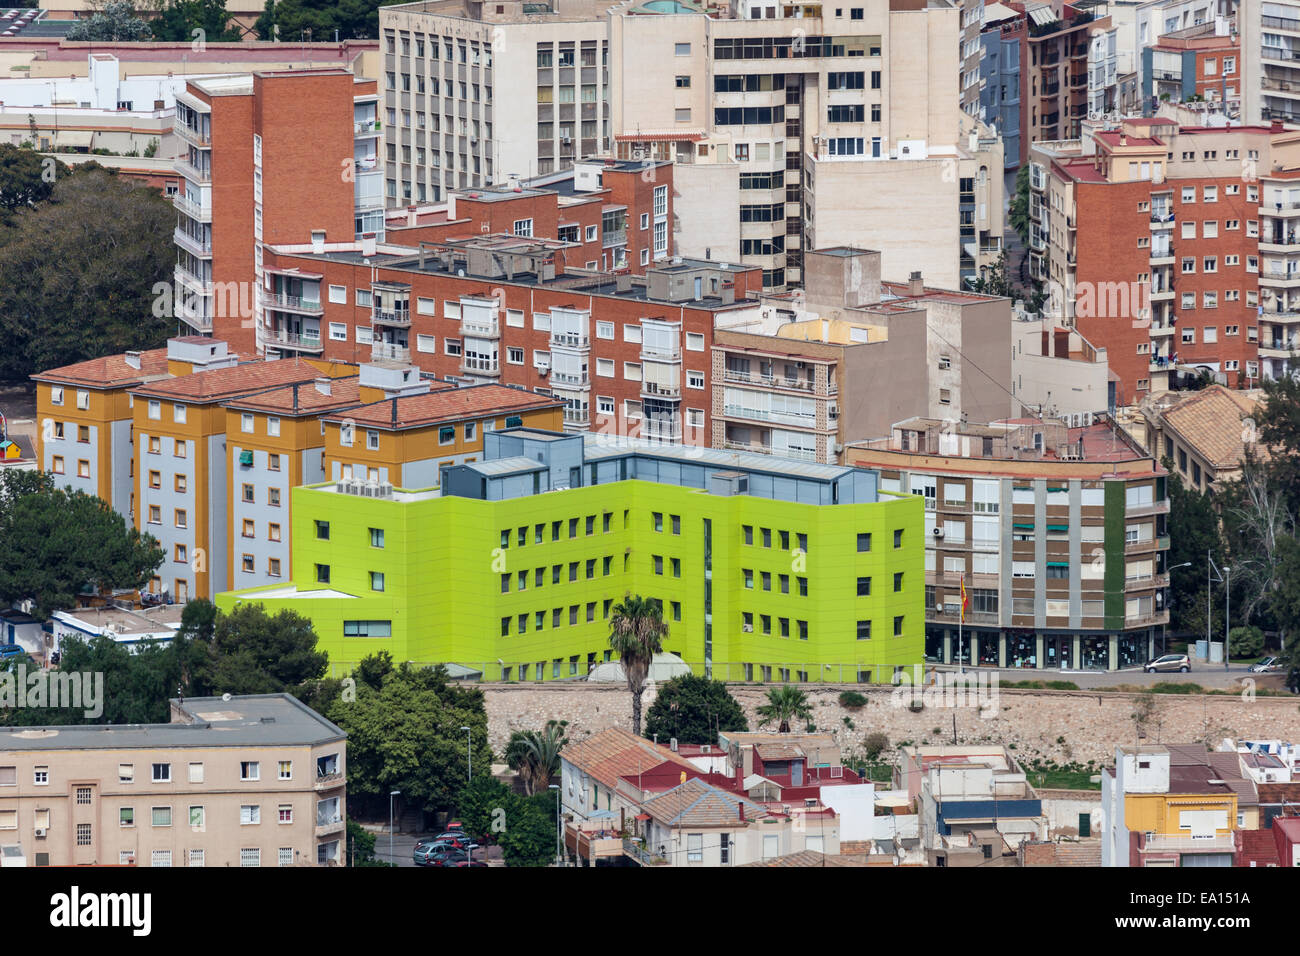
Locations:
(1045, 775)
(1040, 684)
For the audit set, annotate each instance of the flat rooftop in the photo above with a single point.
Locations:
(259, 720)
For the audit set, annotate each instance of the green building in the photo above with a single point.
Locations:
(767, 568)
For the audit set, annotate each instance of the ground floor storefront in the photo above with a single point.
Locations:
(1041, 650)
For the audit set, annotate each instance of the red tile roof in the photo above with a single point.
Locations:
(450, 405)
(303, 398)
(1256, 848)
(108, 371)
(222, 384)
(615, 753)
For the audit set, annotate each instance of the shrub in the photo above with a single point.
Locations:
(874, 744)
(1246, 641)
(852, 699)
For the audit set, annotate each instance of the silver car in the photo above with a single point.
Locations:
(1169, 662)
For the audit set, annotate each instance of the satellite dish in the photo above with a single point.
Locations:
(225, 697)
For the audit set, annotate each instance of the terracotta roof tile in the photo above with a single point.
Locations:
(450, 405)
(698, 804)
(344, 393)
(811, 858)
(614, 753)
(1210, 420)
(109, 371)
(223, 384)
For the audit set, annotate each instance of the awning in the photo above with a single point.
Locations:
(643, 817)
(73, 139)
(661, 135)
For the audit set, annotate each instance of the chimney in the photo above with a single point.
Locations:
(915, 284)
(295, 396)
(1123, 140)
(826, 330)
(623, 282)
(132, 359)
(740, 805)
(421, 257)
(410, 215)
(368, 244)
(322, 385)
(318, 241)
(394, 412)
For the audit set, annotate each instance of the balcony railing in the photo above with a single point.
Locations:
(571, 340)
(294, 340)
(1214, 844)
(366, 129)
(661, 389)
(385, 351)
(763, 415)
(191, 281)
(796, 454)
(616, 238)
(197, 246)
(750, 378)
(325, 781)
(191, 208)
(292, 303)
(656, 353)
(576, 379)
(472, 364)
(577, 416)
(660, 430)
(192, 172)
(480, 328)
(191, 135)
(401, 317)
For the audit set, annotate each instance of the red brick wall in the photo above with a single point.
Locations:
(232, 211)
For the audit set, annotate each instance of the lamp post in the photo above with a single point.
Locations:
(1164, 637)
(391, 793)
(558, 855)
(469, 755)
(1224, 578)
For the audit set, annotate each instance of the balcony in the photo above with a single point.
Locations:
(365, 130)
(771, 381)
(478, 327)
(571, 379)
(657, 353)
(661, 390)
(480, 366)
(614, 238)
(660, 429)
(187, 242)
(191, 312)
(188, 279)
(190, 135)
(577, 417)
(1157, 842)
(330, 780)
(1155, 508)
(300, 341)
(792, 453)
(192, 208)
(388, 352)
(398, 317)
(570, 340)
(763, 415)
(291, 303)
(329, 826)
(193, 173)
(1162, 220)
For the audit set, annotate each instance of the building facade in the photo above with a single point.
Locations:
(1058, 536)
(764, 570)
(243, 781)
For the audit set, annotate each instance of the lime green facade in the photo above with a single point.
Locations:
(522, 588)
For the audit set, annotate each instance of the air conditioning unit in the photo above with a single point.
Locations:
(40, 833)
(747, 628)
(937, 532)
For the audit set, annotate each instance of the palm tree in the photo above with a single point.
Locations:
(784, 703)
(637, 630)
(535, 755)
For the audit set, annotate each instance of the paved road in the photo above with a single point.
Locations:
(1207, 675)
(404, 845)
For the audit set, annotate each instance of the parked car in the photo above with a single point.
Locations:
(1267, 665)
(1169, 662)
(426, 850)
(448, 856)
(10, 650)
(457, 838)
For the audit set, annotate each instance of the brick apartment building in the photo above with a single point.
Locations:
(268, 158)
(626, 353)
(614, 214)
(1174, 247)
(243, 781)
(1058, 533)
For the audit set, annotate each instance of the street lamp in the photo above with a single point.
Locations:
(469, 755)
(558, 856)
(1226, 580)
(391, 793)
(1164, 636)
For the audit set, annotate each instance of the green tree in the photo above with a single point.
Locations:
(483, 807)
(361, 847)
(25, 179)
(1246, 641)
(1286, 608)
(1018, 209)
(693, 709)
(1278, 426)
(535, 755)
(292, 20)
(252, 652)
(58, 544)
(996, 280)
(1193, 531)
(405, 735)
(784, 704)
(176, 21)
(116, 23)
(90, 257)
(637, 632)
(530, 831)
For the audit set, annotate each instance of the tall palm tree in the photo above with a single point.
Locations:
(535, 755)
(636, 633)
(784, 703)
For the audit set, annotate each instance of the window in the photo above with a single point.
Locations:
(864, 542)
(376, 580)
(250, 857)
(250, 814)
(162, 773)
(522, 227)
(898, 537)
(161, 816)
(196, 773)
(126, 817)
(864, 630)
(681, 49)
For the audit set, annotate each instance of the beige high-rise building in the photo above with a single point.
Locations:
(250, 781)
(751, 101)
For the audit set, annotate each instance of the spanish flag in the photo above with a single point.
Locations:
(964, 600)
